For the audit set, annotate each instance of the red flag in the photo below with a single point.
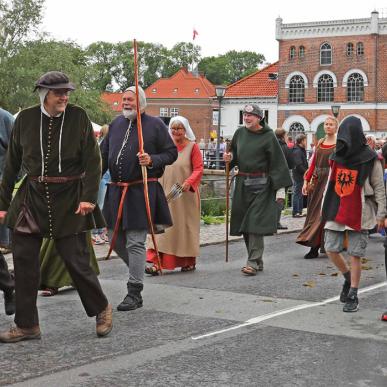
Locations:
(194, 34)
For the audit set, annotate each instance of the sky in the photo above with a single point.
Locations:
(221, 25)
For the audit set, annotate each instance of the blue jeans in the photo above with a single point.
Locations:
(297, 198)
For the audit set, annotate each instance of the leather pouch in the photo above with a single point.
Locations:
(256, 184)
(25, 222)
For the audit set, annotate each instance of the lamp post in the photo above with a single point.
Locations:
(220, 91)
(335, 110)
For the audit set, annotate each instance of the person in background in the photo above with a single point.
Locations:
(315, 180)
(7, 284)
(300, 167)
(100, 235)
(281, 135)
(53, 272)
(290, 142)
(384, 152)
(179, 245)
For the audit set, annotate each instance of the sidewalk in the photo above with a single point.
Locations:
(209, 235)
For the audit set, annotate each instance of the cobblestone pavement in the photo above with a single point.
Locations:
(209, 234)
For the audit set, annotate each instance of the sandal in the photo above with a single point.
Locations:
(152, 270)
(188, 268)
(49, 292)
(248, 270)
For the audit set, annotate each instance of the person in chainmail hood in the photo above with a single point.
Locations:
(354, 202)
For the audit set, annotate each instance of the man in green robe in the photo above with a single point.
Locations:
(54, 145)
(262, 171)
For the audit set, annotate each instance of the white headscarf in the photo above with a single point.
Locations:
(42, 91)
(188, 131)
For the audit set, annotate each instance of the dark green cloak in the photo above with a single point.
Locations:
(257, 152)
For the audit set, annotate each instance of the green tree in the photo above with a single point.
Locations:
(18, 77)
(181, 55)
(18, 20)
(230, 67)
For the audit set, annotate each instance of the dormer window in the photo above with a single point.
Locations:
(154, 90)
(115, 103)
(175, 90)
(197, 90)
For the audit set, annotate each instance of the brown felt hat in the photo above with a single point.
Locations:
(54, 80)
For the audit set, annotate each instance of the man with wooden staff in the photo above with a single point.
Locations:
(262, 172)
(124, 207)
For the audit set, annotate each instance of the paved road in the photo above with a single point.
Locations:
(215, 327)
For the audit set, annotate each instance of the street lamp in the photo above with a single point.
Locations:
(335, 110)
(220, 91)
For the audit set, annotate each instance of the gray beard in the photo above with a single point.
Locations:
(129, 114)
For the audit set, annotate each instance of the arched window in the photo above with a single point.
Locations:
(294, 129)
(349, 49)
(360, 49)
(301, 51)
(326, 54)
(355, 88)
(292, 52)
(296, 89)
(325, 88)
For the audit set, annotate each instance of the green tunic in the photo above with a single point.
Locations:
(53, 273)
(53, 204)
(257, 152)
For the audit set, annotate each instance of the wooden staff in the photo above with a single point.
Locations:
(227, 199)
(141, 151)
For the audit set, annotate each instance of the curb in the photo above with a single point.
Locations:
(205, 244)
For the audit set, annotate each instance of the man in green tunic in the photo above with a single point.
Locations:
(263, 173)
(54, 145)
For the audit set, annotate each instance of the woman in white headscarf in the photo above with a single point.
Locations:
(179, 245)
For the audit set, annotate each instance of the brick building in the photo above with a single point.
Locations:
(185, 94)
(341, 62)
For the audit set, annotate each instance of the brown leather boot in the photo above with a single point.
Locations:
(105, 321)
(15, 334)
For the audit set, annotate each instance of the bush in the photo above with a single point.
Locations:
(213, 207)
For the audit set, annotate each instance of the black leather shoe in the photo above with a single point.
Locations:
(129, 303)
(281, 227)
(313, 253)
(133, 299)
(9, 302)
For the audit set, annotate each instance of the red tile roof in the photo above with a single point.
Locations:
(182, 84)
(257, 84)
(114, 100)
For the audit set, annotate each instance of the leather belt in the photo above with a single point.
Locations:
(125, 186)
(56, 179)
(253, 174)
(133, 182)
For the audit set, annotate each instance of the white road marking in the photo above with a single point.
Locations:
(258, 319)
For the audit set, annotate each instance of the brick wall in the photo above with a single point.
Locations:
(197, 111)
(373, 63)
